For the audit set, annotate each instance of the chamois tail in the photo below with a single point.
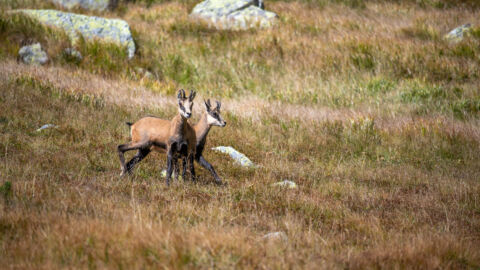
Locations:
(129, 124)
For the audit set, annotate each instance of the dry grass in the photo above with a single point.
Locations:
(361, 103)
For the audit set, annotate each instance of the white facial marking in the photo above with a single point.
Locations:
(212, 121)
(187, 109)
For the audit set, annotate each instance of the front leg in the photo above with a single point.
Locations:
(176, 169)
(209, 167)
(184, 168)
(192, 168)
(169, 164)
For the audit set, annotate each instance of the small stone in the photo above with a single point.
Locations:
(276, 236)
(457, 34)
(143, 73)
(33, 54)
(239, 158)
(45, 127)
(285, 183)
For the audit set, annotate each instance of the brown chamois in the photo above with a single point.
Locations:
(211, 117)
(177, 137)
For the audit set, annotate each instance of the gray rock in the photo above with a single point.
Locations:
(143, 73)
(97, 5)
(45, 127)
(33, 54)
(234, 14)
(285, 183)
(239, 158)
(456, 35)
(276, 236)
(90, 27)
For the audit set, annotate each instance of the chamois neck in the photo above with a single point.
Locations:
(179, 123)
(202, 128)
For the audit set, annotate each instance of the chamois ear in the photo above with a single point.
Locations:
(192, 95)
(219, 104)
(181, 94)
(207, 104)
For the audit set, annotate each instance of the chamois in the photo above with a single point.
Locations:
(150, 133)
(211, 117)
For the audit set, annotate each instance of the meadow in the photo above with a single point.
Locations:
(363, 104)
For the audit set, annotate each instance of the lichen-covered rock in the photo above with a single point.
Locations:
(457, 34)
(237, 156)
(98, 5)
(234, 14)
(90, 27)
(33, 54)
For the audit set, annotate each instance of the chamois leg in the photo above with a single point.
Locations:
(205, 164)
(176, 169)
(184, 168)
(192, 168)
(141, 154)
(127, 147)
(169, 164)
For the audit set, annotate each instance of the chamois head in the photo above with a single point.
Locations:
(213, 115)
(185, 104)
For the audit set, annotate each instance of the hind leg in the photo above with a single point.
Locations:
(141, 154)
(121, 149)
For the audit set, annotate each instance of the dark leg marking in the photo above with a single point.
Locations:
(184, 168)
(205, 164)
(192, 167)
(121, 149)
(141, 154)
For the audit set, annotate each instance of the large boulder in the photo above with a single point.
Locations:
(98, 5)
(33, 54)
(234, 14)
(90, 27)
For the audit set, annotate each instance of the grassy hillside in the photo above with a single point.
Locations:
(361, 103)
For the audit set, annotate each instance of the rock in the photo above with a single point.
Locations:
(45, 127)
(164, 174)
(237, 156)
(234, 14)
(456, 35)
(33, 54)
(97, 5)
(276, 236)
(285, 183)
(73, 54)
(90, 27)
(144, 74)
